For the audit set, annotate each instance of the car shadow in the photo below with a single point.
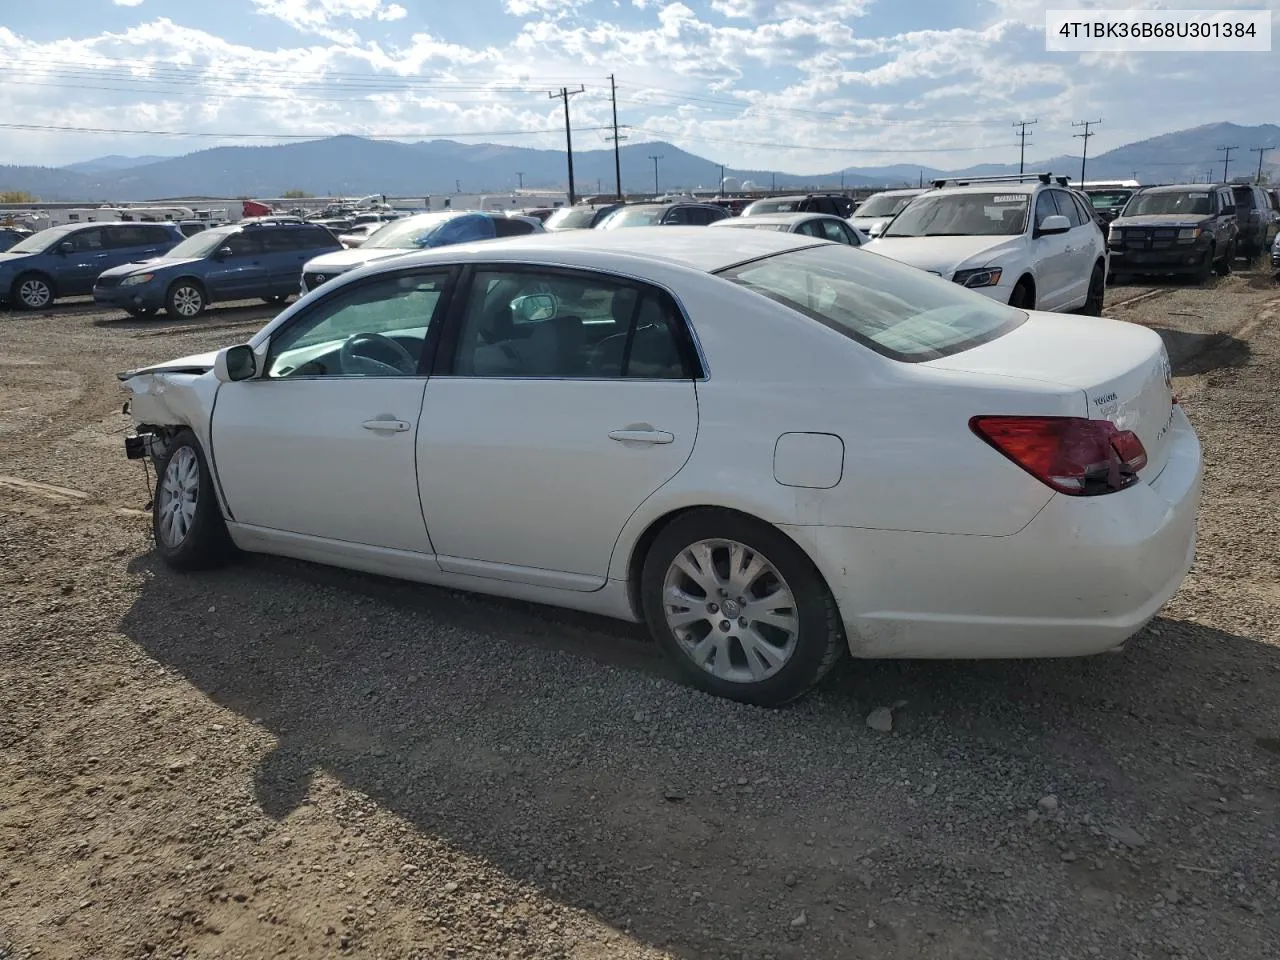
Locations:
(229, 313)
(438, 705)
(1196, 353)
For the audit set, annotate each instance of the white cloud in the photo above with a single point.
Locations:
(546, 8)
(127, 3)
(316, 16)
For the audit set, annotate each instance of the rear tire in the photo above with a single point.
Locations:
(765, 635)
(1023, 296)
(1093, 303)
(32, 291)
(186, 520)
(186, 300)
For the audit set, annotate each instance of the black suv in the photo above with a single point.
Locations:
(832, 203)
(1253, 213)
(1187, 228)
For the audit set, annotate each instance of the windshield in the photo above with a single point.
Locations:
(199, 245)
(962, 215)
(42, 241)
(896, 310)
(883, 205)
(1156, 203)
(632, 217)
(407, 234)
(572, 218)
(1109, 199)
(781, 205)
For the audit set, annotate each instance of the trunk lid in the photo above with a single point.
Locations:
(1121, 369)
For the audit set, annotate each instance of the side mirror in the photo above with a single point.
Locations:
(235, 363)
(222, 253)
(66, 246)
(1054, 224)
(534, 308)
(877, 228)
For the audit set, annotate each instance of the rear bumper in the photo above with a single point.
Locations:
(1081, 578)
(144, 296)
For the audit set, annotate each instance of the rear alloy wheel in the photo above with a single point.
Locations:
(1097, 292)
(186, 300)
(32, 292)
(185, 519)
(1022, 298)
(739, 608)
(1223, 267)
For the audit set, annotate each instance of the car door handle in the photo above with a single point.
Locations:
(641, 436)
(386, 426)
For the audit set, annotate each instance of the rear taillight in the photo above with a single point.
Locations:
(1072, 455)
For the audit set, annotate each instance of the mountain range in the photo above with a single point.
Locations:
(350, 165)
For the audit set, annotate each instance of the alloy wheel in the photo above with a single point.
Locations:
(177, 496)
(34, 293)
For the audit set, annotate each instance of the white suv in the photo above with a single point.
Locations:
(1031, 241)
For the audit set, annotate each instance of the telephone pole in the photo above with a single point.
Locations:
(520, 177)
(1261, 152)
(720, 191)
(1226, 159)
(1022, 137)
(564, 94)
(1084, 155)
(617, 155)
(655, 160)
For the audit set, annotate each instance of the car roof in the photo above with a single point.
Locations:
(901, 191)
(998, 187)
(1170, 187)
(693, 247)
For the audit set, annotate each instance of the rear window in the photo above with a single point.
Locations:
(898, 311)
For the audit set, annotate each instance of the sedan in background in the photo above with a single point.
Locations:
(581, 216)
(9, 236)
(821, 225)
(420, 232)
(874, 213)
(771, 449)
(663, 214)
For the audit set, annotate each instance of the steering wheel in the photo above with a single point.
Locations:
(404, 364)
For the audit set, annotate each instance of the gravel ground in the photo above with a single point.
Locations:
(282, 759)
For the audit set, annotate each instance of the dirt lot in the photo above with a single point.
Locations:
(283, 760)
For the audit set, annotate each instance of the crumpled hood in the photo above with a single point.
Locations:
(196, 363)
(944, 255)
(142, 266)
(340, 261)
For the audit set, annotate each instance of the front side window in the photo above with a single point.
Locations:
(86, 241)
(962, 215)
(1067, 207)
(244, 244)
(896, 310)
(835, 231)
(531, 324)
(372, 329)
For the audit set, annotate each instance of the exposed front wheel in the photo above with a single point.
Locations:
(1205, 268)
(189, 530)
(740, 608)
(1097, 292)
(1223, 266)
(186, 300)
(32, 292)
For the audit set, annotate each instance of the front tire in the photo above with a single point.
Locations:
(1023, 297)
(1097, 292)
(739, 608)
(32, 291)
(186, 300)
(186, 521)
(1223, 267)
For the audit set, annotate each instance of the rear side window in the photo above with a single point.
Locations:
(316, 238)
(898, 311)
(507, 227)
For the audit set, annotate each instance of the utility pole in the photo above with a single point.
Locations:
(617, 156)
(774, 188)
(1084, 155)
(564, 94)
(1261, 152)
(721, 190)
(1022, 137)
(655, 172)
(520, 177)
(1226, 159)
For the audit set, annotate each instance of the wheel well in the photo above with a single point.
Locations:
(635, 565)
(194, 281)
(1027, 279)
(47, 278)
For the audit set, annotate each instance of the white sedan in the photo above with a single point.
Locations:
(770, 448)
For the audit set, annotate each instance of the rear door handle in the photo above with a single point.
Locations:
(641, 436)
(386, 426)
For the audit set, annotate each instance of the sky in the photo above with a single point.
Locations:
(797, 85)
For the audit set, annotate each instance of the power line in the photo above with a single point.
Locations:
(1261, 152)
(1226, 159)
(805, 146)
(564, 94)
(1022, 142)
(1084, 154)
